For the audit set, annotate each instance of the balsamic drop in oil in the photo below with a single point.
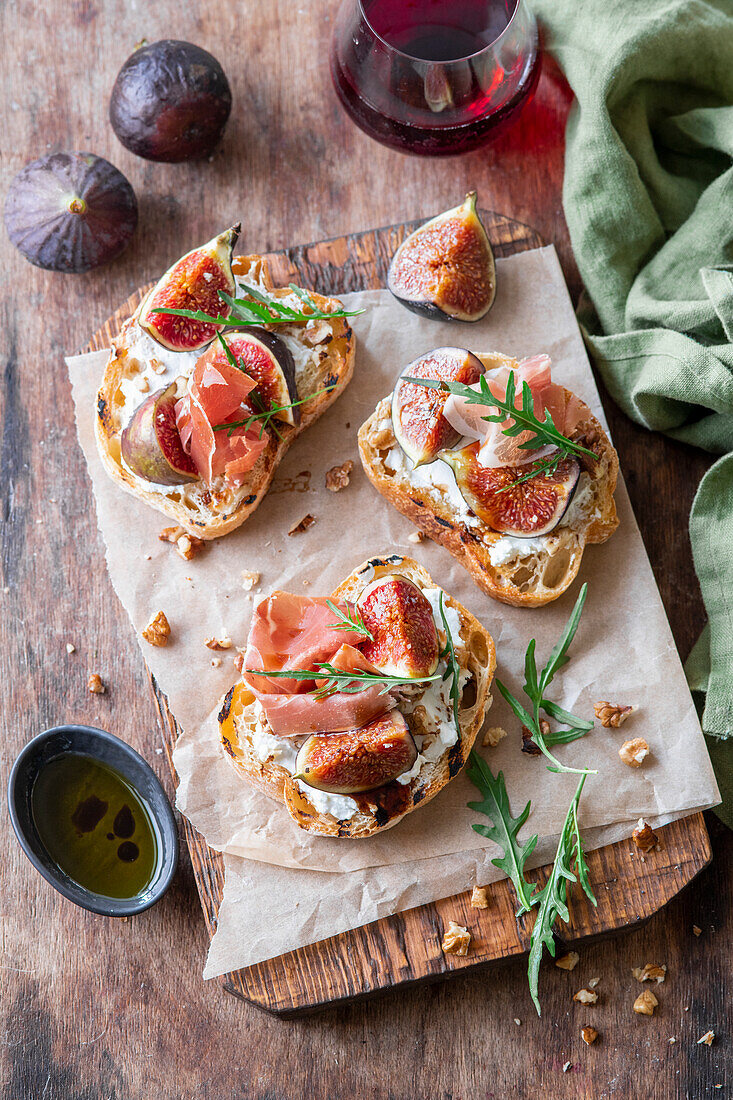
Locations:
(94, 826)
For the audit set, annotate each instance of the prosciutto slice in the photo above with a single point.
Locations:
(297, 632)
(496, 448)
(217, 394)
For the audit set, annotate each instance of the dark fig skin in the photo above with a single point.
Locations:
(70, 212)
(527, 510)
(358, 760)
(170, 102)
(445, 269)
(270, 365)
(400, 620)
(151, 445)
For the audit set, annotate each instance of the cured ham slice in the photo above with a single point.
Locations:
(217, 394)
(498, 449)
(297, 632)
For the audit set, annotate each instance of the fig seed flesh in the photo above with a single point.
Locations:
(358, 760)
(400, 619)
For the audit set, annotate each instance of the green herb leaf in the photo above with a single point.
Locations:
(547, 467)
(552, 898)
(263, 415)
(262, 308)
(348, 683)
(349, 622)
(504, 828)
(545, 433)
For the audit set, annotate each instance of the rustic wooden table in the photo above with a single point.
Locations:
(96, 1008)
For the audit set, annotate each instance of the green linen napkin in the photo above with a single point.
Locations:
(648, 198)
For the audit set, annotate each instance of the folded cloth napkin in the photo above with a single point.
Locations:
(648, 198)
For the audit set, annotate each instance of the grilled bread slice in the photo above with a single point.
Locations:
(323, 352)
(521, 572)
(255, 752)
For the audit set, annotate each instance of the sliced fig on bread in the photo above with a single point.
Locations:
(150, 444)
(417, 413)
(400, 620)
(358, 760)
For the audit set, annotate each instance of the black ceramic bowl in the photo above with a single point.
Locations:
(109, 750)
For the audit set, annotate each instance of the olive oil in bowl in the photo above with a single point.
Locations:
(93, 826)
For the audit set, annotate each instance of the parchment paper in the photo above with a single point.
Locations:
(623, 651)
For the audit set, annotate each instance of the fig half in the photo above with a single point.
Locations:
(192, 283)
(400, 619)
(70, 212)
(417, 413)
(523, 509)
(170, 102)
(268, 361)
(358, 760)
(150, 443)
(445, 269)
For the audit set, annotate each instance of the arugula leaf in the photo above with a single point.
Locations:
(504, 828)
(547, 466)
(349, 683)
(552, 898)
(261, 308)
(349, 622)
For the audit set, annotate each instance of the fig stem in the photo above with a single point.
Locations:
(77, 206)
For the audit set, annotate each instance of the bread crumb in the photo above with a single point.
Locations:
(95, 685)
(645, 1003)
(650, 972)
(634, 752)
(70, 648)
(479, 899)
(302, 525)
(456, 939)
(493, 735)
(158, 630)
(612, 715)
(568, 962)
(707, 1038)
(250, 578)
(337, 478)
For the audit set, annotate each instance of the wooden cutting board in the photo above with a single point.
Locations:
(406, 948)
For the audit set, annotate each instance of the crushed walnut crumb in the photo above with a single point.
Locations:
(250, 578)
(588, 1034)
(586, 996)
(696, 930)
(158, 630)
(650, 972)
(143, 384)
(493, 735)
(456, 939)
(187, 546)
(645, 1003)
(95, 685)
(337, 478)
(634, 752)
(415, 537)
(707, 1038)
(568, 962)
(528, 744)
(239, 662)
(644, 836)
(612, 715)
(302, 524)
(70, 648)
(218, 643)
(216, 662)
(517, 1021)
(567, 1066)
(479, 898)
(593, 982)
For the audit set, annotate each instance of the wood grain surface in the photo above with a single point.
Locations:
(96, 1008)
(406, 948)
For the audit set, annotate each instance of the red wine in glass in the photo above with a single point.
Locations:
(434, 76)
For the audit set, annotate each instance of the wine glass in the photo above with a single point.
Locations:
(434, 76)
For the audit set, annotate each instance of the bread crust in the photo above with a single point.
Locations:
(523, 582)
(476, 653)
(334, 371)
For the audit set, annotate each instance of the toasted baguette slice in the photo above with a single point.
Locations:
(549, 564)
(323, 352)
(243, 727)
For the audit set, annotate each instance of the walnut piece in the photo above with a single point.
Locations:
(216, 662)
(479, 899)
(644, 836)
(188, 546)
(337, 478)
(70, 648)
(493, 735)
(456, 939)
(302, 525)
(158, 630)
(95, 685)
(586, 996)
(612, 715)
(645, 1003)
(415, 537)
(707, 1038)
(650, 972)
(588, 1034)
(568, 962)
(250, 577)
(634, 752)
(218, 643)
(696, 930)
